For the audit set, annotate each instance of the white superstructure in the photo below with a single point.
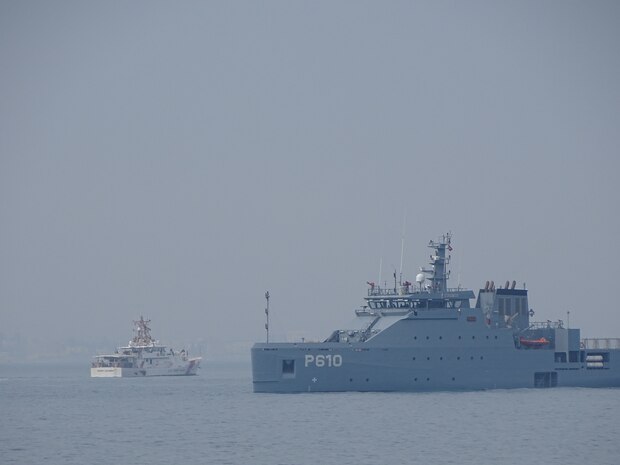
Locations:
(144, 356)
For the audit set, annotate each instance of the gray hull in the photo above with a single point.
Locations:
(447, 349)
(361, 368)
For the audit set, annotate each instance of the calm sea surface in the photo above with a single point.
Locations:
(57, 414)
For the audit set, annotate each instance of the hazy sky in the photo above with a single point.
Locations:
(177, 159)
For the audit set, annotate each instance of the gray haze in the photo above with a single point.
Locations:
(177, 159)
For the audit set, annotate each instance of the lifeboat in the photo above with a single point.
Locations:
(534, 343)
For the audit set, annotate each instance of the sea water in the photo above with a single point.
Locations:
(57, 414)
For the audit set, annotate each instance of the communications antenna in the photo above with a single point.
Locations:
(402, 247)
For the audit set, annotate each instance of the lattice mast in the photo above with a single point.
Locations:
(438, 273)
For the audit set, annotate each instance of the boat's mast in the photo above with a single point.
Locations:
(267, 315)
(402, 248)
(439, 261)
(143, 338)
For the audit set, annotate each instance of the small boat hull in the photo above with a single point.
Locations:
(188, 369)
(106, 372)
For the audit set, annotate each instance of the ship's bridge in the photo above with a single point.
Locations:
(430, 289)
(406, 298)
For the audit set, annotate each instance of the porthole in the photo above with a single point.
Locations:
(472, 357)
(458, 358)
(459, 337)
(428, 379)
(481, 357)
(495, 337)
(351, 380)
(440, 337)
(428, 358)
(415, 379)
(413, 358)
(487, 337)
(367, 379)
(427, 338)
(415, 337)
(453, 378)
(473, 337)
(440, 358)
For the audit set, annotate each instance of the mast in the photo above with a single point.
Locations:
(267, 315)
(402, 248)
(143, 336)
(438, 273)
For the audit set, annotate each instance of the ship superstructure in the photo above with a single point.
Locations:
(144, 356)
(426, 336)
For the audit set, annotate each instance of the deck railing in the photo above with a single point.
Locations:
(374, 291)
(546, 324)
(601, 343)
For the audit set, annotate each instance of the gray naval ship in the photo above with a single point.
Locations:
(427, 336)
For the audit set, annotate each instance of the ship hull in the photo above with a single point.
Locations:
(327, 367)
(187, 369)
(427, 337)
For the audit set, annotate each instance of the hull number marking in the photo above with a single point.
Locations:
(321, 361)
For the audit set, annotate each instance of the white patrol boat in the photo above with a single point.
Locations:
(144, 356)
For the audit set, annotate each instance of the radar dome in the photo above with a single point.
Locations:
(420, 278)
